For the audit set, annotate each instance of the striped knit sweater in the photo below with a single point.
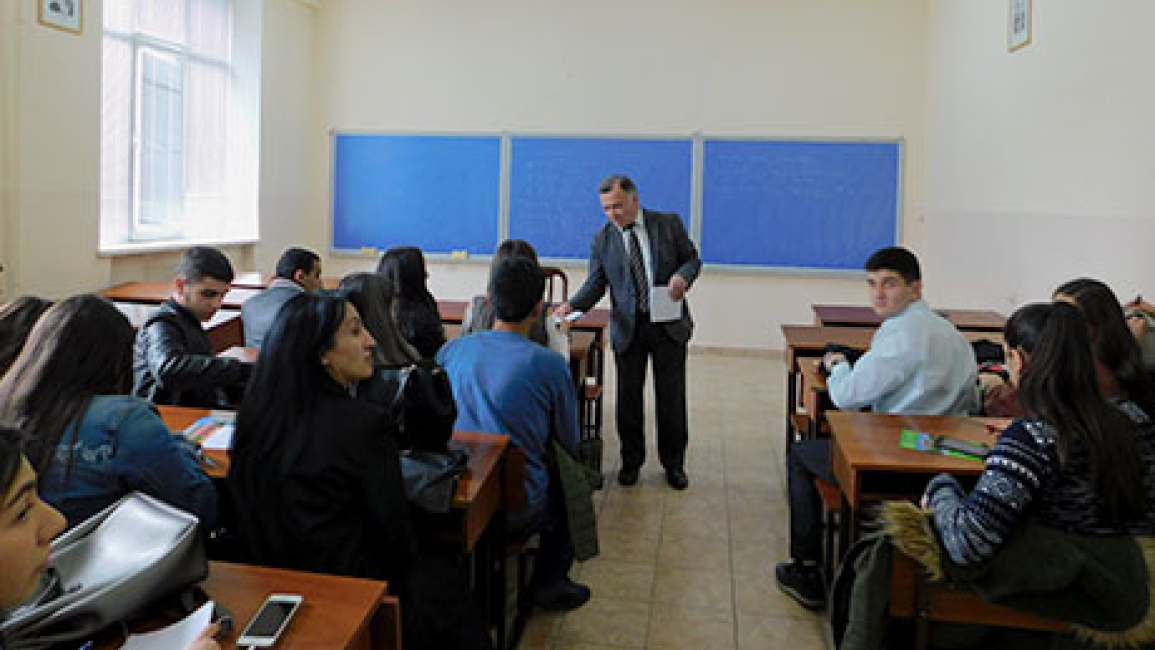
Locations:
(1024, 478)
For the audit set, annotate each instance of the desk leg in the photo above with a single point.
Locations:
(847, 525)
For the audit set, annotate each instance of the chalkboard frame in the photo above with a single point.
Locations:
(694, 220)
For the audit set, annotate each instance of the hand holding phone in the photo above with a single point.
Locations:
(270, 621)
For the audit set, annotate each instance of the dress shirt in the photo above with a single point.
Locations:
(644, 243)
(917, 363)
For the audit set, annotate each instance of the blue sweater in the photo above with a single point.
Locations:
(121, 445)
(505, 383)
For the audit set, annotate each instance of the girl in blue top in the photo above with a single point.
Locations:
(90, 441)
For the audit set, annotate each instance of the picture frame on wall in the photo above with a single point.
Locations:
(1019, 25)
(66, 15)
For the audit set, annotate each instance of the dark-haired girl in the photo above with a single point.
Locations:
(1076, 461)
(414, 309)
(91, 442)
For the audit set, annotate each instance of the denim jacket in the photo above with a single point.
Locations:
(119, 446)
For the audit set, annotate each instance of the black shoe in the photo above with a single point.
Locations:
(628, 476)
(563, 596)
(802, 583)
(677, 479)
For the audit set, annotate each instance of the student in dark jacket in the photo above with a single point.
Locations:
(174, 361)
(319, 476)
(414, 308)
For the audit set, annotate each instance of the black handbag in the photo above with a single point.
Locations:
(419, 398)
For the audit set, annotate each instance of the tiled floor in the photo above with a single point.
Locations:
(694, 569)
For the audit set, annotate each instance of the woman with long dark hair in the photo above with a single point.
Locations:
(372, 295)
(414, 309)
(1076, 462)
(318, 474)
(88, 438)
(1118, 357)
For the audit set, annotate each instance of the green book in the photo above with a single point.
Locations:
(945, 445)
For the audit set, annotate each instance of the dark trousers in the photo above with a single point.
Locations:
(555, 556)
(808, 459)
(651, 341)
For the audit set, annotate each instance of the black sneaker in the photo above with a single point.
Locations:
(562, 596)
(802, 583)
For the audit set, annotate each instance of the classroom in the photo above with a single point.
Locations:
(1020, 170)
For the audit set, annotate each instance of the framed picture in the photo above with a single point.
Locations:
(1019, 25)
(62, 14)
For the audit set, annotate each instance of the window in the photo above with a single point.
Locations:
(170, 99)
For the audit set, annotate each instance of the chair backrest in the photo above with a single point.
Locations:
(555, 279)
(912, 595)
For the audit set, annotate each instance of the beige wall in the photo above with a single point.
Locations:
(768, 68)
(1039, 163)
(1021, 170)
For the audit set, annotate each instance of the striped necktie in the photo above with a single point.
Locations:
(638, 270)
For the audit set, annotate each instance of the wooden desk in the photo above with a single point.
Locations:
(258, 280)
(595, 320)
(869, 464)
(479, 491)
(979, 320)
(224, 329)
(809, 341)
(157, 292)
(337, 612)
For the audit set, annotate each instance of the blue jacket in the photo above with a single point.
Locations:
(119, 446)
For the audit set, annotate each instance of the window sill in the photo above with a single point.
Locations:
(167, 245)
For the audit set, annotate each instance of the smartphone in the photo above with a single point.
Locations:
(272, 619)
(965, 447)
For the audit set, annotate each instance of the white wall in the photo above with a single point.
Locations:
(773, 68)
(1040, 164)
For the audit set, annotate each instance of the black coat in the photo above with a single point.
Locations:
(173, 362)
(341, 509)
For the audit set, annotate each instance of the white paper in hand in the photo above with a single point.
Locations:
(177, 635)
(663, 308)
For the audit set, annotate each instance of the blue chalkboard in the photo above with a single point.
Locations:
(441, 193)
(554, 201)
(800, 204)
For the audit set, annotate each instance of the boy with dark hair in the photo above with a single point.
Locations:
(504, 382)
(173, 361)
(917, 363)
(298, 270)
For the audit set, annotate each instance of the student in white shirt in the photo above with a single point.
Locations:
(917, 363)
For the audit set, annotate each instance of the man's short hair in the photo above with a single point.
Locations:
(618, 180)
(517, 287)
(897, 259)
(200, 262)
(296, 259)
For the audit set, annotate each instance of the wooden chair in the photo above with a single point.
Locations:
(912, 595)
(556, 285)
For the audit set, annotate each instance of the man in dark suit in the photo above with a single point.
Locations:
(637, 250)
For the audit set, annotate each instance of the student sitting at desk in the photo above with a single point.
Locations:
(917, 363)
(298, 270)
(91, 442)
(27, 527)
(414, 308)
(16, 321)
(317, 473)
(506, 383)
(1077, 462)
(174, 361)
(479, 314)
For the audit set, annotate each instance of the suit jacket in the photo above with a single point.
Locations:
(259, 312)
(671, 252)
